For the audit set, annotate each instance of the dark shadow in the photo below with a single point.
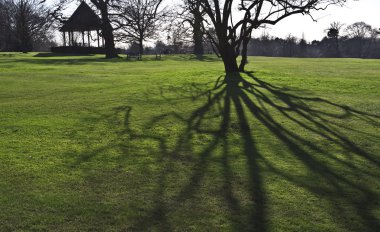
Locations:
(7, 55)
(73, 59)
(238, 105)
(192, 57)
(65, 60)
(204, 57)
(83, 59)
(50, 54)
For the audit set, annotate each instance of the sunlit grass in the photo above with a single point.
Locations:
(88, 144)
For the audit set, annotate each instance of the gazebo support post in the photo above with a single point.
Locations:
(88, 35)
(97, 33)
(64, 39)
(83, 38)
(72, 39)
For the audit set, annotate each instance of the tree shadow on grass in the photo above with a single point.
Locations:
(241, 108)
(49, 54)
(74, 59)
(60, 59)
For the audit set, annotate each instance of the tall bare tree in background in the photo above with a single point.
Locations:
(31, 23)
(139, 20)
(107, 30)
(362, 36)
(359, 30)
(192, 13)
(233, 30)
(6, 21)
(24, 24)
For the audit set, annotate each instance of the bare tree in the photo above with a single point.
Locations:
(31, 23)
(234, 30)
(362, 36)
(107, 30)
(191, 15)
(24, 24)
(138, 20)
(359, 30)
(6, 32)
(178, 38)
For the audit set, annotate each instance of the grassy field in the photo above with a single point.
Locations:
(88, 144)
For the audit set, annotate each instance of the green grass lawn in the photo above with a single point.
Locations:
(88, 144)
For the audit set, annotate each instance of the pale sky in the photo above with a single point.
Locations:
(297, 25)
(354, 11)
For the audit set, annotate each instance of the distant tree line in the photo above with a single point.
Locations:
(24, 26)
(358, 40)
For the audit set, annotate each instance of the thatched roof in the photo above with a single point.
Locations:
(83, 19)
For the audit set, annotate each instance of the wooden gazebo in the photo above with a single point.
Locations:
(78, 33)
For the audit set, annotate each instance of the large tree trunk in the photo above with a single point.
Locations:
(197, 32)
(228, 55)
(141, 47)
(230, 64)
(109, 43)
(227, 52)
(107, 31)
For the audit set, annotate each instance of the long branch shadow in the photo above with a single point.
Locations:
(252, 99)
(300, 111)
(238, 106)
